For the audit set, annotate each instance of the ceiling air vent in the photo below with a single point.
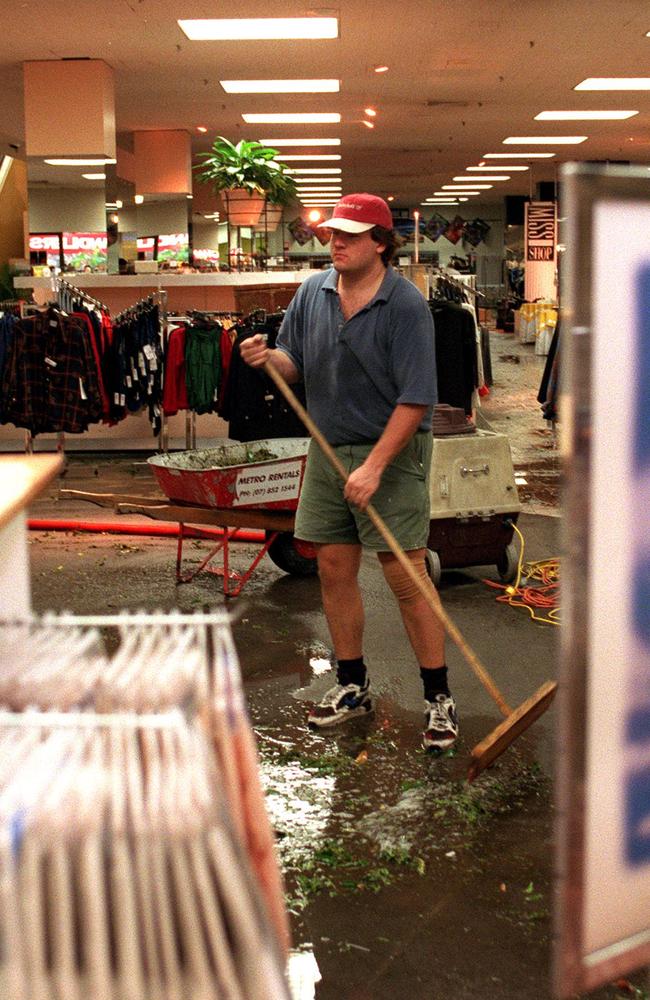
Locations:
(447, 104)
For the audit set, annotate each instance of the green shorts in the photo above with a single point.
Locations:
(324, 516)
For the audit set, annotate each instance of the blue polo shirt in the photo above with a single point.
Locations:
(356, 372)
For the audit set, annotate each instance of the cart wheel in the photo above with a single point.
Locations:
(434, 569)
(508, 562)
(292, 556)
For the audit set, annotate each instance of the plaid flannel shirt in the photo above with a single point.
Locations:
(49, 381)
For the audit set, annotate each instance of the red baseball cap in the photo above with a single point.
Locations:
(357, 213)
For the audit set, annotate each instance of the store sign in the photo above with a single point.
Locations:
(541, 237)
(604, 765)
(540, 230)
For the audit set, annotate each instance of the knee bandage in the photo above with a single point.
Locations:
(405, 589)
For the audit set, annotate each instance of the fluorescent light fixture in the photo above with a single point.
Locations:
(462, 199)
(234, 29)
(72, 161)
(578, 116)
(290, 157)
(486, 177)
(138, 199)
(94, 177)
(615, 83)
(296, 118)
(368, 124)
(320, 190)
(118, 203)
(303, 181)
(300, 142)
(370, 112)
(517, 156)
(466, 187)
(298, 171)
(381, 69)
(502, 166)
(201, 128)
(280, 86)
(545, 140)
(447, 194)
(432, 204)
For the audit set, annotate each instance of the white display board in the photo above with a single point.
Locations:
(617, 806)
(603, 860)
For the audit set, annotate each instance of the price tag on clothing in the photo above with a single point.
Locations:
(50, 362)
(141, 363)
(149, 352)
(81, 389)
(128, 380)
(122, 399)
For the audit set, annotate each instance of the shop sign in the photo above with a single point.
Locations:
(540, 231)
(603, 835)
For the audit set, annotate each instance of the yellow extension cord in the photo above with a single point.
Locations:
(542, 596)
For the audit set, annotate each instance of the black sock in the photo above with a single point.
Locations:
(434, 681)
(351, 671)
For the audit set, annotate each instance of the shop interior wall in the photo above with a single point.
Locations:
(13, 205)
(69, 210)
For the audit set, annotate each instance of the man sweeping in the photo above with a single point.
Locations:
(361, 337)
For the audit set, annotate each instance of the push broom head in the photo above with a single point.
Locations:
(487, 751)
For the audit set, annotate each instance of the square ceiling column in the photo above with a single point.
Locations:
(69, 108)
(163, 162)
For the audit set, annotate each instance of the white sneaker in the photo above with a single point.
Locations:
(342, 702)
(440, 723)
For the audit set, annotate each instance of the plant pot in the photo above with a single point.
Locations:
(270, 220)
(242, 207)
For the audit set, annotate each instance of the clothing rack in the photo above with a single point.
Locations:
(60, 285)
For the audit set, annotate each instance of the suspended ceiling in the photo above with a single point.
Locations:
(462, 77)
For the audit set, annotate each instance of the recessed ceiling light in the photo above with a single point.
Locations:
(297, 118)
(300, 171)
(545, 140)
(370, 112)
(201, 128)
(501, 166)
(577, 116)
(300, 142)
(391, 197)
(280, 86)
(94, 177)
(485, 177)
(381, 69)
(72, 161)
(289, 158)
(138, 199)
(615, 83)
(368, 124)
(258, 28)
(517, 156)
(466, 187)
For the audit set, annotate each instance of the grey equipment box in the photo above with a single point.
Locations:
(474, 504)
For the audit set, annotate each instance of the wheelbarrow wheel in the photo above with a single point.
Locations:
(292, 556)
(433, 565)
(508, 563)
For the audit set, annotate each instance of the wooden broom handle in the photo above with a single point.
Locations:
(385, 532)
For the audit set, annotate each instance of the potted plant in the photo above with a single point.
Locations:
(244, 175)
